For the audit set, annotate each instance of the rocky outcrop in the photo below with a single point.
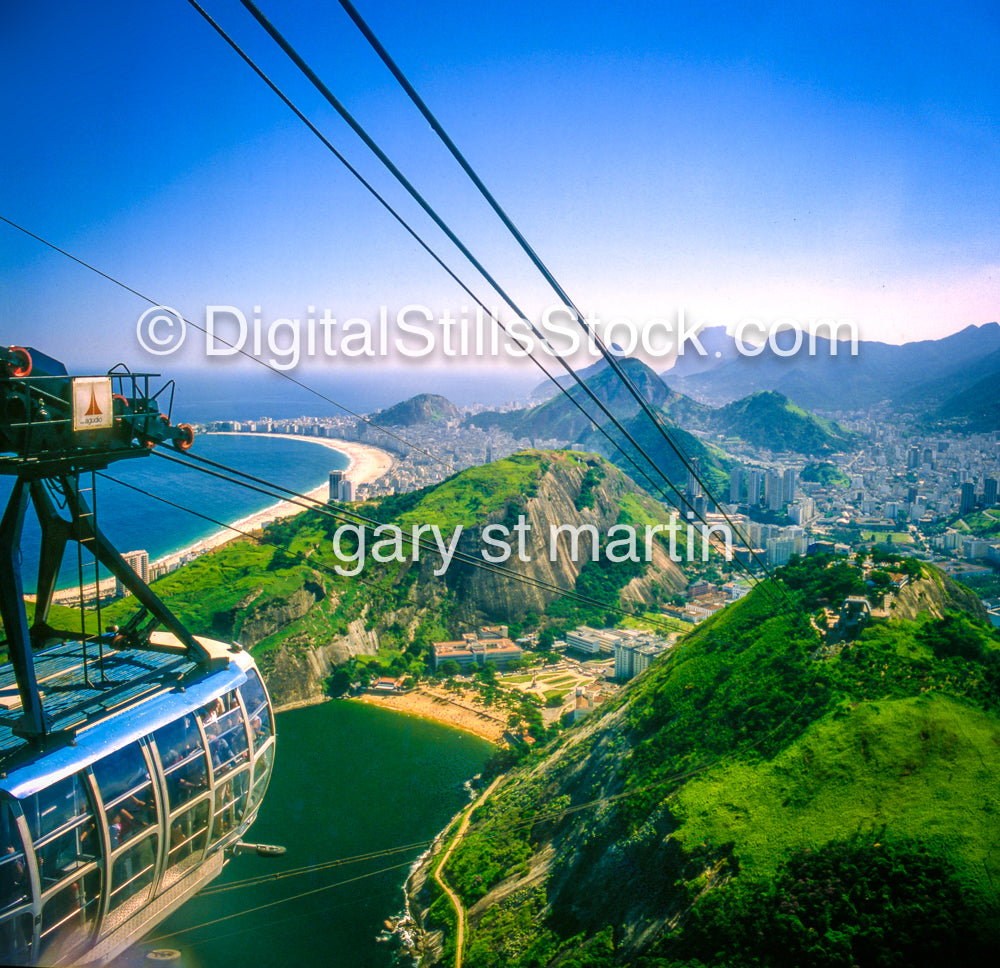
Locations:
(297, 676)
(296, 673)
(423, 408)
(566, 493)
(566, 497)
(256, 624)
(934, 594)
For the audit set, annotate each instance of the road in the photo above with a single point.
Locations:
(452, 896)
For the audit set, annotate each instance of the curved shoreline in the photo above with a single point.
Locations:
(367, 465)
(439, 709)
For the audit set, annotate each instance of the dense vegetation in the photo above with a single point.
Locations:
(807, 803)
(860, 901)
(824, 473)
(769, 419)
(654, 443)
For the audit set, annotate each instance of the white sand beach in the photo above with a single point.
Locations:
(367, 465)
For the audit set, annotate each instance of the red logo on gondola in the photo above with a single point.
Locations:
(93, 410)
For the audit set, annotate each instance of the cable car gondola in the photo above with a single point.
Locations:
(133, 759)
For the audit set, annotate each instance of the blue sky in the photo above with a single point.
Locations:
(726, 160)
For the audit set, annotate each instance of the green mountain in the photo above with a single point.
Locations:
(757, 797)
(561, 419)
(283, 597)
(975, 409)
(769, 419)
(712, 463)
(423, 408)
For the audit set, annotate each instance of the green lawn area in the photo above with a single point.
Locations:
(477, 491)
(655, 622)
(980, 522)
(883, 537)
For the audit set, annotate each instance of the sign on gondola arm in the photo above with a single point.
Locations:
(92, 403)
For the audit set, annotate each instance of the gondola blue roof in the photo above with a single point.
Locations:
(149, 690)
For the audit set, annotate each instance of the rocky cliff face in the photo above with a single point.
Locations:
(566, 498)
(296, 673)
(255, 622)
(936, 593)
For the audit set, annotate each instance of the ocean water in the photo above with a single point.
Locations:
(132, 520)
(349, 780)
(251, 392)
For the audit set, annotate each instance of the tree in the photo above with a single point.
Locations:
(848, 902)
(881, 580)
(449, 668)
(339, 681)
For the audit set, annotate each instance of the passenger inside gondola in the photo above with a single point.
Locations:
(179, 745)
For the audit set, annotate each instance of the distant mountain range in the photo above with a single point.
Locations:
(917, 375)
(767, 420)
(561, 419)
(976, 408)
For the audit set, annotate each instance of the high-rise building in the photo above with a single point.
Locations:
(772, 490)
(736, 484)
(345, 491)
(912, 458)
(693, 487)
(990, 491)
(753, 485)
(968, 501)
(788, 486)
(336, 478)
(138, 561)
